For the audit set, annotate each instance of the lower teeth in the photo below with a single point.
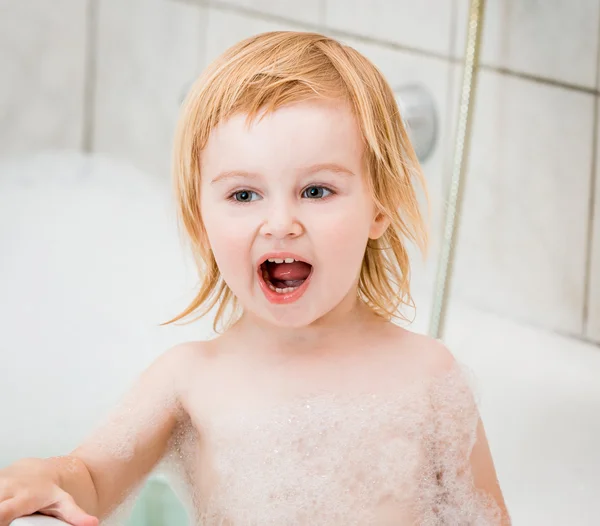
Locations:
(277, 289)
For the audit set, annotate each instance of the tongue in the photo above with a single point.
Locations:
(289, 271)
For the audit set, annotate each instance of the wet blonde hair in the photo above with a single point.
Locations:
(270, 70)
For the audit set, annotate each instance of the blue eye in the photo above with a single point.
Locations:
(316, 192)
(244, 196)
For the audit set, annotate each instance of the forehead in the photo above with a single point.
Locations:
(299, 134)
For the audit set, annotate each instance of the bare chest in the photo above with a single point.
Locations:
(308, 456)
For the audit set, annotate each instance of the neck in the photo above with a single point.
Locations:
(338, 329)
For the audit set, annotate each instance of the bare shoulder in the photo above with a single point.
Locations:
(185, 359)
(435, 357)
(196, 372)
(428, 355)
(183, 353)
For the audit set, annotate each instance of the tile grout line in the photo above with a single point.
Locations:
(587, 281)
(322, 13)
(90, 76)
(269, 17)
(587, 272)
(204, 34)
(451, 60)
(394, 46)
(538, 80)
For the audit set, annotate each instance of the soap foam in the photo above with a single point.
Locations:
(362, 459)
(119, 436)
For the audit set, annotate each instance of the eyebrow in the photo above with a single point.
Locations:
(315, 168)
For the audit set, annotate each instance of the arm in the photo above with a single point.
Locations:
(101, 472)
(459, 445)
(484, 472)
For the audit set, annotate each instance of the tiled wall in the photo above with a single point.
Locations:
(147, 53)
(108, 75)
(42, 67)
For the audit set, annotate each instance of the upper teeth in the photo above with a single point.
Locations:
(277, 260)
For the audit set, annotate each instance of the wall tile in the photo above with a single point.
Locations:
(424, 25)
(42, 59)
(148, 53)
(554, 39)
(593, 321)
(307, 11)
(521, 246)
(226, 28)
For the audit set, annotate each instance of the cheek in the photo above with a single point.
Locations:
(342, 237)
(229, 240)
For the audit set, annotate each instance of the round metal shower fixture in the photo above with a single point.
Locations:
(418, 112)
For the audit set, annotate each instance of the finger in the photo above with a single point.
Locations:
(67, 510)
(6, 491)
(9, 511)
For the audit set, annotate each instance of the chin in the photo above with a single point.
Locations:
(290, 319)
(298, 316)
(303, 313)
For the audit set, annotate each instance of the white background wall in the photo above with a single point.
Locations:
(91, 265)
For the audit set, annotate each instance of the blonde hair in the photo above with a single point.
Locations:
(270, 70)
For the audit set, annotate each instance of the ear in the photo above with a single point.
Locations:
(379, 226)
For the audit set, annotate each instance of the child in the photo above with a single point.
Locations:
(295, 181)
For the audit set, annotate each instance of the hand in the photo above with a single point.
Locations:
(31, 485)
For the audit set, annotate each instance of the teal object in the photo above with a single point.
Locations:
(157, 505)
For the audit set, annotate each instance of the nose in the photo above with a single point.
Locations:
(281, 222)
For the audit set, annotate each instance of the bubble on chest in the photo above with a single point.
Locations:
(343, 460)
(324, 454)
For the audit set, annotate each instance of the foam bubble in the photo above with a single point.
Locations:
(368, 458)
(146, 408)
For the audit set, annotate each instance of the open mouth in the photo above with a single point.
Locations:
(284, 276)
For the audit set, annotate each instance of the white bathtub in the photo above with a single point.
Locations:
(90, 264)
(37, 520)
(540, 402)
(539, 392)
